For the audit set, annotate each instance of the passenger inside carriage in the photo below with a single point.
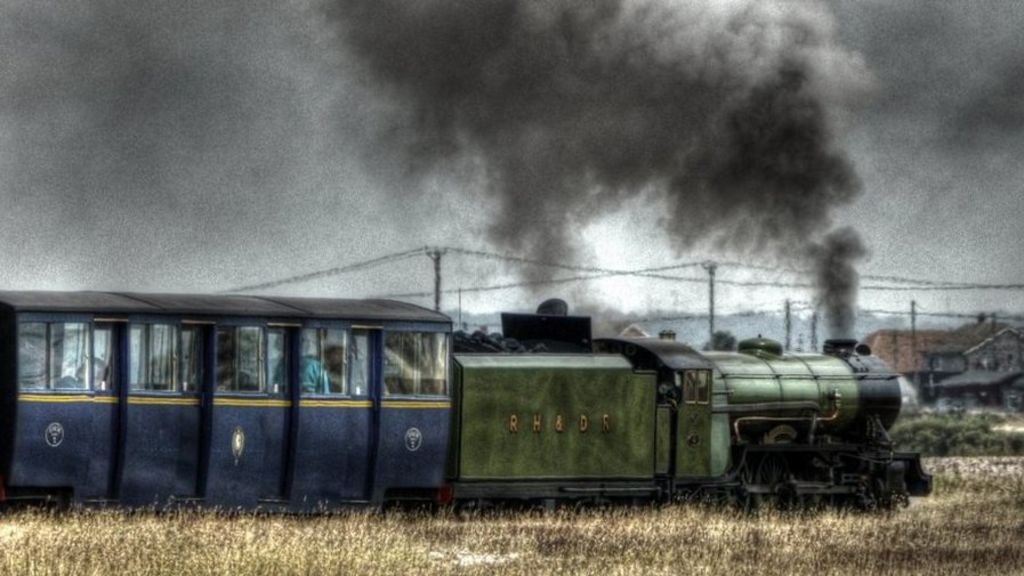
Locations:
(334, 357)
(323, 365)
(313, 377)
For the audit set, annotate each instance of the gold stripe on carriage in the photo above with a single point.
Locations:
(67, 398)
(417, 405)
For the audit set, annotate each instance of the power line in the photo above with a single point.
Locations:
(949, 287)
(1016, 318)
(593, 272)
(394, 257)
(495, 287)
(698, 316)
(647, 272)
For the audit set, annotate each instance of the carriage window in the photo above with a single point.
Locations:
(416, 363)
(240, 359)
(153, 357)
(191, 358)
(277, 361)
(359, 363)
(323, 361)
(54, 356)
(103, 357)
(69, 356)
(32, 356)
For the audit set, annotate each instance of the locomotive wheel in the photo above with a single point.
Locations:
(773, 472)
(751, 476)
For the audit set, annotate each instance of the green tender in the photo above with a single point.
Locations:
(500, 396)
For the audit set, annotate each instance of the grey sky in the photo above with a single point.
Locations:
(196, 147)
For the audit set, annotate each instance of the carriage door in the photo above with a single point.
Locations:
(249, 433)
(693, 446)
(335, 417)
(161, 444)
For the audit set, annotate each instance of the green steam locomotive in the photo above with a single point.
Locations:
(651, 419)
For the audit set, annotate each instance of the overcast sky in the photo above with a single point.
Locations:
(202, 146)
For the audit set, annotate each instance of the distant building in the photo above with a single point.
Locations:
(896, 348)
(1000, 352)
(981, 389)
(929, 358)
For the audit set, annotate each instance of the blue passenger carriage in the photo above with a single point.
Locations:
(275, 402)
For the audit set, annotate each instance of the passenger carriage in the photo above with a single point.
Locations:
(234, 401)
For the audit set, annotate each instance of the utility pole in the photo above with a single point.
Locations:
(789, 325)
(435, 255)
(711, 266)
(814, 330)
(896, 350)
(913, 343)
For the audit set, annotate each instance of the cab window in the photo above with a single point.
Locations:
(323, 365)
(696, 386)
(416, 363)
(54, 356)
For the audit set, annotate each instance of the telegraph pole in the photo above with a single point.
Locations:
(896, 350)
(814, 330)
(913, 343)
(789, 325)
(435, 255)
(711, 266)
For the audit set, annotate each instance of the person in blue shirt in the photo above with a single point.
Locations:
(313, 377)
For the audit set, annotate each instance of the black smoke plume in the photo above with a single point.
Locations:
(837, 279)
(578, 108)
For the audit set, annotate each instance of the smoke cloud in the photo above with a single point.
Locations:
(837, 279)
(574, 109)
(182, 130)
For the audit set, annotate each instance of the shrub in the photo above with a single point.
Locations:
(956, 435)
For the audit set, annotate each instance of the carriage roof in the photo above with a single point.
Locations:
(216, 305)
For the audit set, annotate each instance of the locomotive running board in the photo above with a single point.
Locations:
(547, 489)
(617, 490)
(801, 489)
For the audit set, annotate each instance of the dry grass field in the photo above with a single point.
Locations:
(974, 524)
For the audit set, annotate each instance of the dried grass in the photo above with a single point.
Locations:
(974, 524)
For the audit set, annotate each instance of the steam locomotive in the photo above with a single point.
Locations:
(305, 404)
(651, 418)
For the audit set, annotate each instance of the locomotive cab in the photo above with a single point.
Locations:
(693, 441)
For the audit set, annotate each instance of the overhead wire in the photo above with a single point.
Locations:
(353, 267)
(591, 273)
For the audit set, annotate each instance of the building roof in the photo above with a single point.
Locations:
(976, 378)
(991, 339)
(895, 347)
(216, 305)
